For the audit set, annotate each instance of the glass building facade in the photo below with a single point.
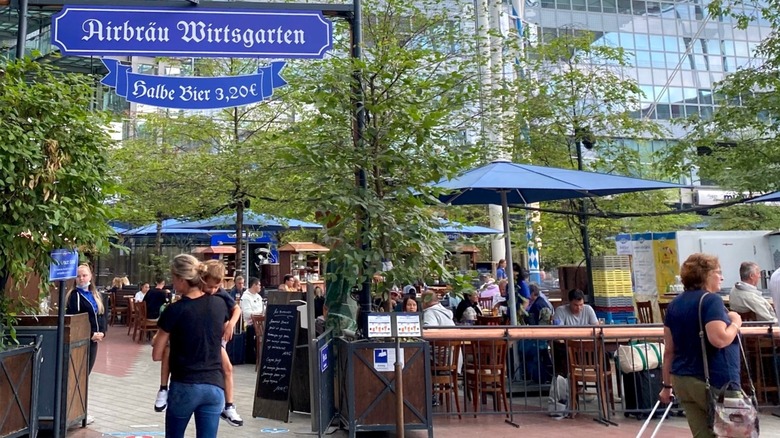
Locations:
(677, 50)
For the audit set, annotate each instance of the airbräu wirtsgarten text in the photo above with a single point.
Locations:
(191, 31)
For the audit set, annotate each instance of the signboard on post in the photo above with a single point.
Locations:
(193, 93)
(64, 264)
(274, 377)
(221, 33)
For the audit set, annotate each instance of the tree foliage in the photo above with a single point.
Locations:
(745, 217)
(211, 162)
(741, 136)
(419, 81)
(572, 91)
(53, 182)
(153, 167)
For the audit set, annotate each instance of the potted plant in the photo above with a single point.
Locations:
(19, 360)
(54, 164)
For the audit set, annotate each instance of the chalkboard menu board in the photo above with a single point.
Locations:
(272, 393)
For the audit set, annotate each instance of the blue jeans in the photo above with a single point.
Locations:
(204, 400)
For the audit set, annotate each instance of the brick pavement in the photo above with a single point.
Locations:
(124, 383)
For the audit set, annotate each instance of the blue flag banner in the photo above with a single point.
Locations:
(187, 32)
(193, 93)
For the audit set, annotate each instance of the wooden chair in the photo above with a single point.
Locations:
(258, 321)
(761, 353)
(645, 312)
(131, 319)
(118, 307)
(587, 365)
(486, 304)
(444, 370)
(662, 307)
(748, 316)
(486, 372)
(146, 327)
(488, 320)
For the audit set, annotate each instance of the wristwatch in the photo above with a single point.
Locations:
(666, 386)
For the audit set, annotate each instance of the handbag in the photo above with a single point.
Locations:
(640, 356)
(731, 413)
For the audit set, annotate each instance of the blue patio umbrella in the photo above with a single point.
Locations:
(152, 229)
(769, 197)
(451, 227)
(502, 183)
(254, 221)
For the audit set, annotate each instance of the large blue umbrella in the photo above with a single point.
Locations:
(152, 229)
(451, 227)
(769, 197)
(503, 182)
(254, 221)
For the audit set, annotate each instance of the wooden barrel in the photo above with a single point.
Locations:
(269, 275)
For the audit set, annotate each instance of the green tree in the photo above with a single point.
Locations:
(53, 183)
(216, 162)
(573, 90)
(420, 82)
(152, 168)
(745, 217)
(738, 147)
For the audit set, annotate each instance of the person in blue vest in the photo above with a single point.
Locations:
(85, 298)
(501, 270)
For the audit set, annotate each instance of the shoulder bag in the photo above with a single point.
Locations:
(731, 413)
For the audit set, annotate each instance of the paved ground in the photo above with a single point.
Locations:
(124, 383)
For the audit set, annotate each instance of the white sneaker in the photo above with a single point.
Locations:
(162, 400)
(90, 419)
(231, 416)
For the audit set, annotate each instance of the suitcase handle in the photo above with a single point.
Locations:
(650, 417)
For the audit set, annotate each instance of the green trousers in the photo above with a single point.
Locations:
(692, 395)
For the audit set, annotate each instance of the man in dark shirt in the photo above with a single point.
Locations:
(155, 299)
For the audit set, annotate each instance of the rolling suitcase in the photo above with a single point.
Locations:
(640, 391)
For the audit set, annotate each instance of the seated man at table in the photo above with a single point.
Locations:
(540, 309)
(536, 356)
(434, 314)
(745, 297)
(576, 312)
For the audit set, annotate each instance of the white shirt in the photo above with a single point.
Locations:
(774, 290)
(251, 304)
(438, 316)
(586, 316)
(139, 296)
(744, 297)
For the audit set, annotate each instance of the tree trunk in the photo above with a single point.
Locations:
(239, 237)
(158, 238)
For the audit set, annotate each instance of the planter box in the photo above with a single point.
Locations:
(74, 374)
(367, 397)
(19, 372)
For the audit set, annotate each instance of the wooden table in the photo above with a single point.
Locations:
(488, 320)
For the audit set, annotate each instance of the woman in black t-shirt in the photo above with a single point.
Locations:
(193, 325)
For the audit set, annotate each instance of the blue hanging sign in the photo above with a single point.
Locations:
(64, 264)
(193, 93)
(149, 31)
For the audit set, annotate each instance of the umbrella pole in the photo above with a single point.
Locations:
(586, 249)
(510, 285)
(584, 233)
